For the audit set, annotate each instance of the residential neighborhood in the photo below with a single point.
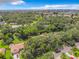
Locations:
(39, 35)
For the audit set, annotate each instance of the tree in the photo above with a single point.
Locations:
(2, 56)
(8, 38)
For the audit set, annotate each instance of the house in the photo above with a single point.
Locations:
(16, 26)
(77, 45)
(16, 48)
(2, 50)
(67, 15)
(75, 16)
(2, 23)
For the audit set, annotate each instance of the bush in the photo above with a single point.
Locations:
(75, 52)
(63, 56)
(48, 55)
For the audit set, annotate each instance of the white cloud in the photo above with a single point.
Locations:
(65, 6)
(13, 2)
(19, 2)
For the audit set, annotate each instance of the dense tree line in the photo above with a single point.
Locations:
(42, 33)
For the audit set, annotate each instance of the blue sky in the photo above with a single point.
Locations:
(38, 4)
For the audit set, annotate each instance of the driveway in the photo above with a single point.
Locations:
(65, 50)
(16, 57)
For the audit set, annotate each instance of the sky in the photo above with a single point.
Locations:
(38, 4)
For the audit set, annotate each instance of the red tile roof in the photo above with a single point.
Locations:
(15, 48)
(2, 50)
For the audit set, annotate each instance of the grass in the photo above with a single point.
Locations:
(17, 40)
(2, 45)
(63, 56)
(21, 55)
(8, 54)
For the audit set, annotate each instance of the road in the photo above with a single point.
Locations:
(65, 49)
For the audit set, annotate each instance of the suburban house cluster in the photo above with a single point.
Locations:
(15, 49)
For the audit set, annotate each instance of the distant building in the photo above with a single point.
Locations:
(13, 23)
(16, 26)
(67, 15)
(2, 23)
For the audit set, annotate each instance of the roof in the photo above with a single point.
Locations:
(16, 26)
(15, 48)
(77, 45)
(2, 50)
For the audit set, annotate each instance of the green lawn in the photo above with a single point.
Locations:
(21, 56)
(8, 54)
(17, 40)
(2, 45)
